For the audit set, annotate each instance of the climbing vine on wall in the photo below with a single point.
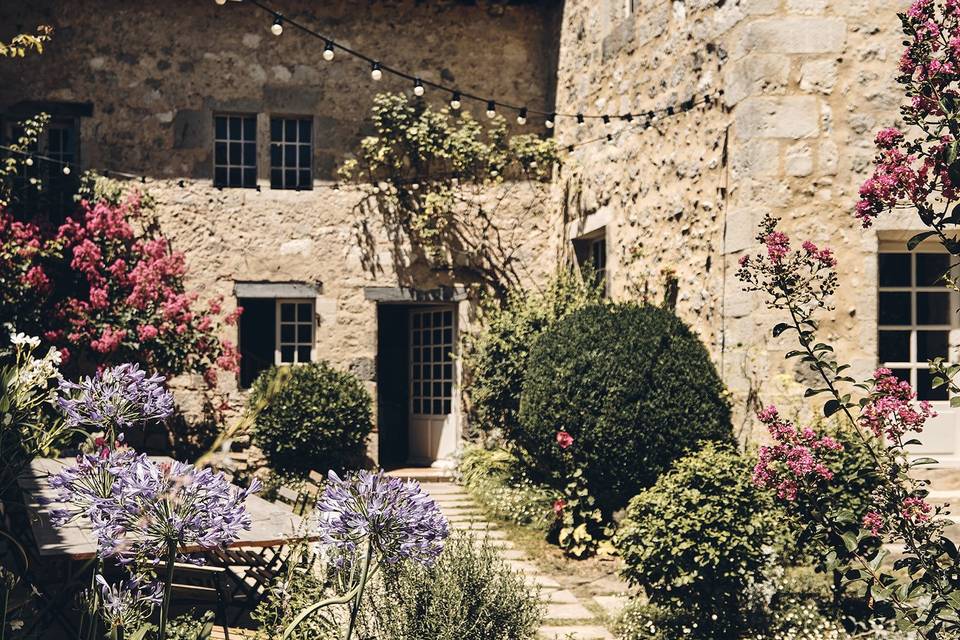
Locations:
(438, 180)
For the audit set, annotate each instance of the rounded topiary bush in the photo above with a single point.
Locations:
(632, 385)
(702, 541)
(319, 419)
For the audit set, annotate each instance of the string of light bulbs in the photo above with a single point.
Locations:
(457, 96)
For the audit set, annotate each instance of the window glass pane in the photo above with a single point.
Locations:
(448, 336)
(903, 374)
(220, 153)
(925, 390)
(250, 128)
(894, 307)
(220, 124)
(304, 311)
(931, 267)
(438, 354)
(236, 153)
(416, 355)
(416, 405)
(448, 371)
(303, 354)
(291, 131)
(276, 179)
(306, 181)
(286, 354)
(304, 155)
(438, 336)
(427, 337)
(303, 333)
(287, 333)
(276, 129)
(895, 270)
(446, 406)
(448, 317)
(438, 371)
(249, 153)
(236, 177)
(894, 346)
(426, 320)
(235, 128)
(220, 176)
(305, 126)
(416, 321)
(933, 308)
(290, 178)
(438, 407)
(416, 337)
(932, 344)
(249, 177)
(427, 355)
(290, 155)
(287, 312)
(437, 389)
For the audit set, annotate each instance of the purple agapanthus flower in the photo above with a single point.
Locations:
(128, 603)
(115, 398)
(138, 507)
(399, 519)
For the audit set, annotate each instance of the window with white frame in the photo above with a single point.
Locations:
(235, 150)
(291, 153)
(914, 316)
(294, 331)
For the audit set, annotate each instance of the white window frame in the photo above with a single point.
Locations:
(296, 344)
(952, 329)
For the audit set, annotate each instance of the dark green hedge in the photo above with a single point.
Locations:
(319, 419)
(632, 385)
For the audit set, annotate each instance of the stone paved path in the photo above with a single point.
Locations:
(567, 615)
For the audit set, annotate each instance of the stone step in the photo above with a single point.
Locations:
(514, 554)
(473, 525)
(567, 611)
(578, 632)
(541, 580)
(561, 596)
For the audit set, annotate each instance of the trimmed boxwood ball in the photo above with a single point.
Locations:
(634, 387)
(319, 419)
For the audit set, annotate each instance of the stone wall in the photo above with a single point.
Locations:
(156, 73)
(805, 83)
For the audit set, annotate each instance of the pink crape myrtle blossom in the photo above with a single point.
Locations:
(564, 439)
(890, 410)
(873, 522)
(794, 461)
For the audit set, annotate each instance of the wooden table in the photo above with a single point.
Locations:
(273, 525)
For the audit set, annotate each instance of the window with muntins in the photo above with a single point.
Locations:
(914, 316)
(42, 189)
(294, 331)
(235, 150)
(431, 358)
(291, 153)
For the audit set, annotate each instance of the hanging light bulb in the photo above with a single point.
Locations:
(491, 108)
(580, 118)
(28, 162)
(606, 119)
(221, 2)
(455, 100)
(628, 117)
(328, 52)
(548, 123)
(522, 116)
(66, 170)
(277, 27)
(417, 87)
(375, 72)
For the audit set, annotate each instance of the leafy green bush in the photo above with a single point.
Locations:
(320, 418)
(470, 594)
(497, 480)
(496, 357)
(702, 541)
(632, 385)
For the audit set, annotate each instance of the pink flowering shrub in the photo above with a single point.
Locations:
(800, 464)
(105, 287)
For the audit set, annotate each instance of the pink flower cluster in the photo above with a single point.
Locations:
(890, 409)
(823, 256)
(874, 522)
(778, 246)
(795, 460)
(916, 510)
(564, 439)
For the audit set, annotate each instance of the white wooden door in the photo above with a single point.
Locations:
(433, 398)
(918, 322)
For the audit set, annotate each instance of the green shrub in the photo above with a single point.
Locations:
(469, 594)
(497, 480)
(303, 583)
(632, 385)
(496, 356)
(319, 419)
(702, 541)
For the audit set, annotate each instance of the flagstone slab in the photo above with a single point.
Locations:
(561, 596)
(612, 605)
(579, 632)
(567, 611)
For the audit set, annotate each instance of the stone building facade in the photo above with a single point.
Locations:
(667, 211)
(806, 84)
(154, 88)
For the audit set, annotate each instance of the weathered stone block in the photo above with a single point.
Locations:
(829, 158)
(806, 6)
(793, 35)
(759, 7)
(755, 158)
(191, 129)
(741, 228)
(619, 38)
(798, 160)
(753, 75)
(819, 76)
(781, 117)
